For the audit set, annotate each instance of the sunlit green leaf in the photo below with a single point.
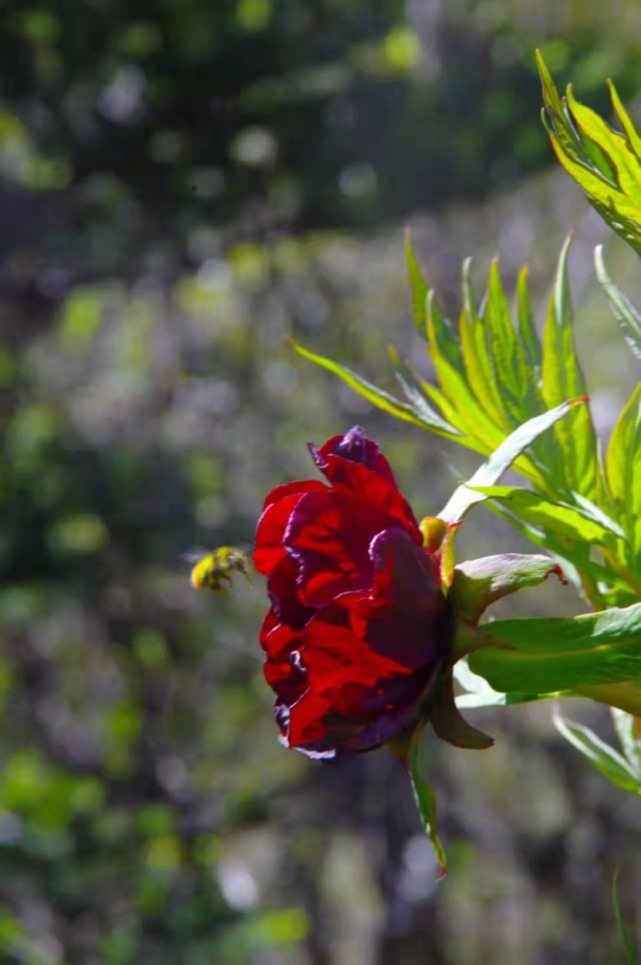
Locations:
(465, 496)
(527, 329)
(556, 517)
(605, 163)
(623, 470)
(377, 396)
(557, 654)
(479, 364)
(418, 287)
(576, 465)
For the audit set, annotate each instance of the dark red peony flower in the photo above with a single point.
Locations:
(358, 628)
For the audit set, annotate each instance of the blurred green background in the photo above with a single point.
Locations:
(183, 183)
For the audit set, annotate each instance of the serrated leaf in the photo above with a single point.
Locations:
(623, 310)
(558, 654)
(441, 334)
(557, 124)
(471, 418)
(511, 373)
(418, 287)
(568, 521)
(623, 472)
(479, 370)
(501, 459)
(593, 582)
(602, 161)
(425, 801)
(527, 329)
(624, 119)
(603, 757)
(414, 394)
(562, 378)
(378, 397)
(597, 139)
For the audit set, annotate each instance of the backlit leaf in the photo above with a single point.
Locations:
(576, 464)
(510, 449)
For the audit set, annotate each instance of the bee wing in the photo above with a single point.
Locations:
(194, 556)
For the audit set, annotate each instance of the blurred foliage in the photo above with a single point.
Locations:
(166, 171)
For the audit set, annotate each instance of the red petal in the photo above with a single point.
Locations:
(298, 486)
(370, 478)
(334, 658)
(282, 589)
(286, 679)
(306, 720)
(329, 535)
(356, 447)
(271, 526)
(277, 639)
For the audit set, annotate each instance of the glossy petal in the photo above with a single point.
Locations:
(356, 447)
(371, 480)
(359, 629)
(278, 507)
(329, 534)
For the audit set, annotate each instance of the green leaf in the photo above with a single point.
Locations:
(627, 729)
(576, 464)
(604, 162)
(479, 369)
(568, 521)
(471, 418)
(555, 654)
(480, 694)
(377, 396)
(413, 391)
(623, 472)
(626, 941)
(603, 757)
(634, 140)
(558, 126)
(425, 800)
(624, 312)
(465, 496)
(418, 287)
(527, 329)
(479, 583)
(512, 375)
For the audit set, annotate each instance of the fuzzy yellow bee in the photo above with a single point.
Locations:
(216, 568)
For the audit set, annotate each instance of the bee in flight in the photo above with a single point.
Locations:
(216, 568)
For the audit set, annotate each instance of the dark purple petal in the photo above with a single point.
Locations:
(405, 616)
